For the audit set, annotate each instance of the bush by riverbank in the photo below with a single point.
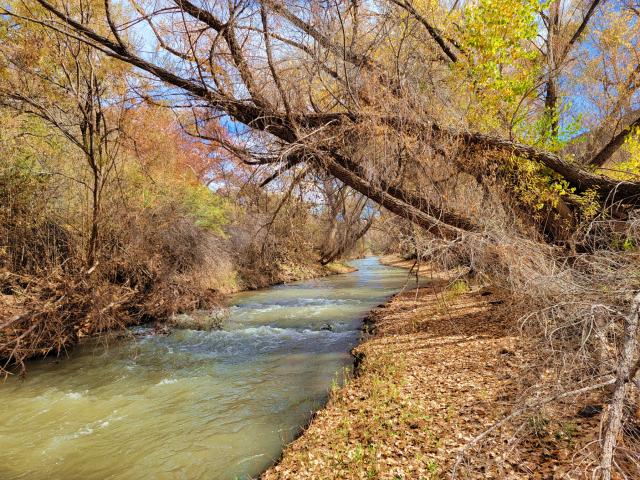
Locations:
(444, 366)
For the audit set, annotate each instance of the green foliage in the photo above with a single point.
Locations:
(623, 242)
(31, 235)
(458, 287)
(22, 177)
(628, 244)
(589, 203)
(566, 432)
(502, 67)
(208, 209)
(151, 189)
(538, 186)
(432, 467)
(541, 134)
(539, 424)
(629, 168)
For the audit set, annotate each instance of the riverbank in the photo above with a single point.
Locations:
(288, 274)
(444, 363)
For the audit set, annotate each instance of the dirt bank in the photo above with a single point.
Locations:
(289, 273)
(444, 364)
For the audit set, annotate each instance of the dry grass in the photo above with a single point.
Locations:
(336, 268)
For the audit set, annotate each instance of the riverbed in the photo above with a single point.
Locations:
(192, 404)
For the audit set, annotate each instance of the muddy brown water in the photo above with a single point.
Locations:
(192, 405)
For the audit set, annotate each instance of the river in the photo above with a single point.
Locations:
(192, 404)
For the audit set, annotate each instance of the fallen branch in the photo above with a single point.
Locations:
(528, 405)
(623, 376)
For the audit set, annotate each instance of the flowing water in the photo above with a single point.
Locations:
(193, 404)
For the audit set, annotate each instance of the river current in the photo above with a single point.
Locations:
(216, 405)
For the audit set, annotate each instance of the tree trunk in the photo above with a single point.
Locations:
(95, 217)
(623, 379)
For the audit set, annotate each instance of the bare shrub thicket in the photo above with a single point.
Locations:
(154, 263)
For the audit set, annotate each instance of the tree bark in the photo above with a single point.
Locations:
(623, 379)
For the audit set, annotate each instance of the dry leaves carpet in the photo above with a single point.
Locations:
(442, 365)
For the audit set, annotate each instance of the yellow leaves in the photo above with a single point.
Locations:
(629, 167)
(619, 31)
(537, 187)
